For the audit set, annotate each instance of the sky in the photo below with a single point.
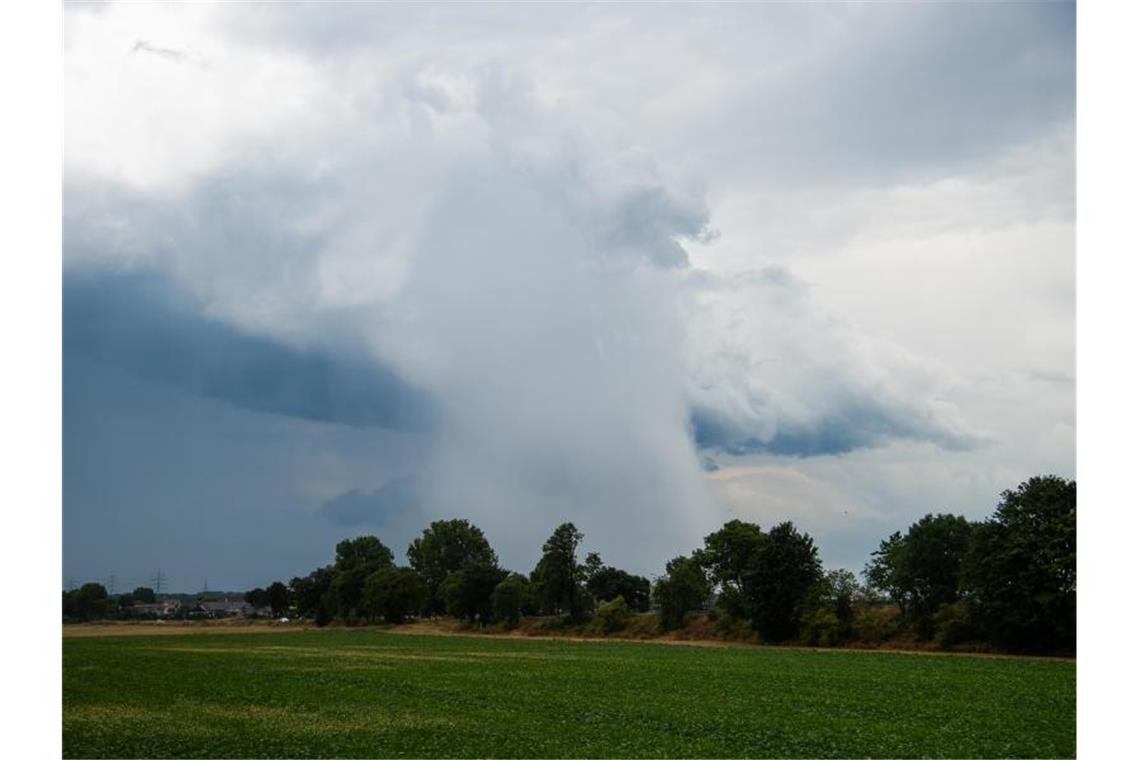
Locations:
(350, 268)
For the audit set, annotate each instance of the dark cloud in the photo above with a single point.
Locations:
(144, 325)
(853, 423)
(356, 507)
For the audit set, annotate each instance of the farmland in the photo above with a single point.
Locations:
(374, 694)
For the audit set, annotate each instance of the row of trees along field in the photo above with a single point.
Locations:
(1006, 583)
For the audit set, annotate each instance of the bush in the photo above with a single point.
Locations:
(613, 615)
(952, 626)
(822, 628)
(875, 624)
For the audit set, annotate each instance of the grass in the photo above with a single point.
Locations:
(372, 694)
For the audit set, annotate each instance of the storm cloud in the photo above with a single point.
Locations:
(550, 282)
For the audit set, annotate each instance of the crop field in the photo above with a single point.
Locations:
(374, 694)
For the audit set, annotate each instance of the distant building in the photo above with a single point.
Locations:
(166, 608)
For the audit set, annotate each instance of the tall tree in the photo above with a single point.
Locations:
(921, 571)
(683, 589)
(1020, 572)
(143, 595)
(607, 583)
(445, 547)
(727, 555)
(557, 574)
(467, 593)
(356, 559)
(935, 548)
(885, 571)
(509, 599)
(278, 598)
(393, 593)
(779, 579)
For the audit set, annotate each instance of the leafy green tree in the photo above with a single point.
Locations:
(683, 589)
(510, 598)
(606, 583)
(278, 598)
(592, 566)
(921, 571)
(886, 571)
(257, 597)
(727, 556)
(448, 546)
(356, 559)
(313, 594)
(778, 581)
(558, 575)
(88, 602)
(828, 615)
(393, 593)
(935, 548)
(143, 595)
(467, 593)
(1020, 571)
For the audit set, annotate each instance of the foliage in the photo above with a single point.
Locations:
(467, 593)
(393, 593)
(779, 579)
(257, 597)
(279, 598)
(143, 595)
(313, 595)
(446, 547)
(1020, 573)
(510, 599)
(683, 589)
(88, 602)
(921, 571)
(606, 583)
(557, 577)
(727, 555)
(356, 559)
(612, 616)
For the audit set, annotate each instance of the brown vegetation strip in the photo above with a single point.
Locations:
(453, 630)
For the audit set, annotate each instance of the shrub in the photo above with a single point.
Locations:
(613, 615)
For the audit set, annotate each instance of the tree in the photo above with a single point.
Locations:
(779, 579)
(143, 595)
(509, 598)
(467, 593)
(683, 589)
(921, 571)
(829, 613)
(885, 571)
(1020, 571)
(88, 602)
(592, 566)
(313, 594)
(278, 598)
(557, 573)
(935, 548)
(393, 593)
(356, 559)
(727, 555)
(447, 546)
(607, 583)
(257, 597)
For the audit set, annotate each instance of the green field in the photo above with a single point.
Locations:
(372, 694)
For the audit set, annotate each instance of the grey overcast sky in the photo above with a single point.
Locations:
(333, 269)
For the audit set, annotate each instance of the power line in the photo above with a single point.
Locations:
(159, 578)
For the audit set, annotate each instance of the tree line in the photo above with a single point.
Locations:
(1007, 582)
